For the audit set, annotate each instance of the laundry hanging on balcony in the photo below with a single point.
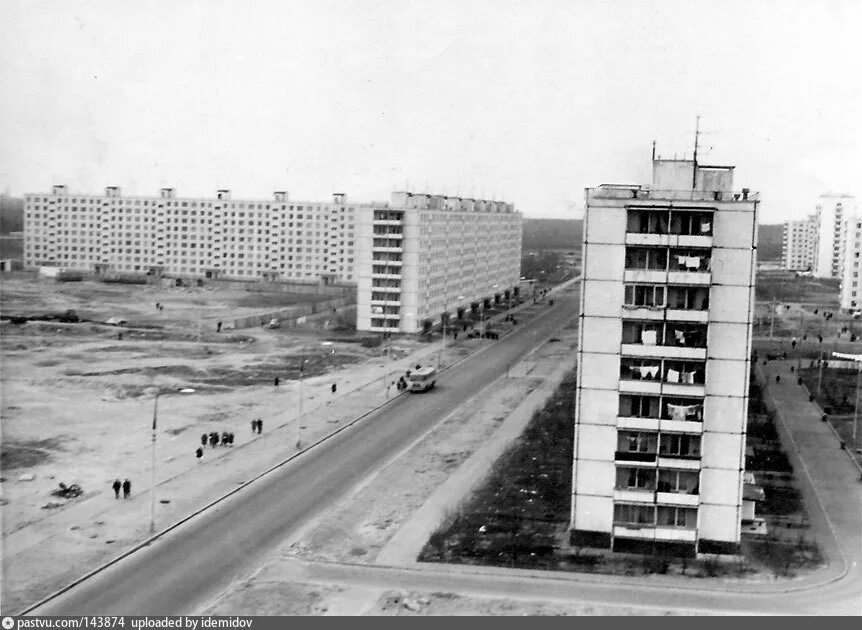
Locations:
(705, 227)
(682, 412)
(647, 371)
(672, 376)
(688, 377)
(648, 337)
(680, 336)
(692, 262)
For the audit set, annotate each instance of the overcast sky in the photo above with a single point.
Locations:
(525, 101)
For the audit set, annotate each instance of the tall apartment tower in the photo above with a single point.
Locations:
(663, 362)
(851, 289)
(798, 244)
(833, 210)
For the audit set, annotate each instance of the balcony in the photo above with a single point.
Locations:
(681, 499)
(635, 457)
(642, 424)
(693, 427)
(669, 352)
(668, 240)
(679, 462)
(635, 495)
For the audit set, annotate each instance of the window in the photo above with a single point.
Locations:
(636, 478)
(646, 258)
(677, 517)
(678, 481)
(644, 295)
(626, 514)
(680, 445)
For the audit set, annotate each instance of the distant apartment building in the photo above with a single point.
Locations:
(851, 292)
(663, 362)
(798, 244)
(412, 259)
(833, 210)
(432, 256)
(216, 237)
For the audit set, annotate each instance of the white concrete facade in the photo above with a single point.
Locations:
(192, 237)
(798, 244)
(426, 255)
(412, 259)
(832, 212)
(664, 344)
(851, 291)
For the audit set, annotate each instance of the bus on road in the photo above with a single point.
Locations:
(422, 379)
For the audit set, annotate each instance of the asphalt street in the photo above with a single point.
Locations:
(189, 565)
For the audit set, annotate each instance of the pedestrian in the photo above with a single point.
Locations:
(117, 485)
(820, 338)
(127, 488)
(793, 343)
(225, 438)
(218, 327)
(199, 453)
(276, 381)
(213, 438)
(259, 426)
(334, 388)
(120, 336)
(231, 438)
(456, 335)
(204, 438)
(253, 426)
(777, 378)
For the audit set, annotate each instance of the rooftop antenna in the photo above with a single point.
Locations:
(653, 150)
(696, 138)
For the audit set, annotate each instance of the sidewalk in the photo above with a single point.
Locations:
(829, 479)
(52, 552)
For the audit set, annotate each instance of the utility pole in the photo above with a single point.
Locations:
(856, 408)
(799, 342)
(299, 416)
(153, 466)
(772, 317)
(820, 374)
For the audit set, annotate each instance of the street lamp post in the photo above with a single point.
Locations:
(299, 417)
(185, 390)
(858, 359)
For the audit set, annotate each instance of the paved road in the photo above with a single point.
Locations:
(183, 569)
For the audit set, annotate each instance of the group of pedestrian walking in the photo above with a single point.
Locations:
(125, 486)
(159, 306)
(214, 440)
(257, 426)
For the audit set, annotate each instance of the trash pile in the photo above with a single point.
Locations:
(68, 492)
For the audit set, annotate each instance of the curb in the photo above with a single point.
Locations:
(146, 542)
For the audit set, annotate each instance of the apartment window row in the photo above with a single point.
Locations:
(664, 296)
(645, 446)
(661, 333)
(680, 222)
(663, 407)
(663, 370)
(657, 480)
(668, 259)
(629, 515)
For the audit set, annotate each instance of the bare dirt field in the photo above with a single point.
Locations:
(77, 400)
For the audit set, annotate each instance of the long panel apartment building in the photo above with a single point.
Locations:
(432, 256)
(664, 347)
(412, 258)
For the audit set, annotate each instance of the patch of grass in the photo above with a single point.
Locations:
(16, 454)
(518, 514)
(837, 388)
